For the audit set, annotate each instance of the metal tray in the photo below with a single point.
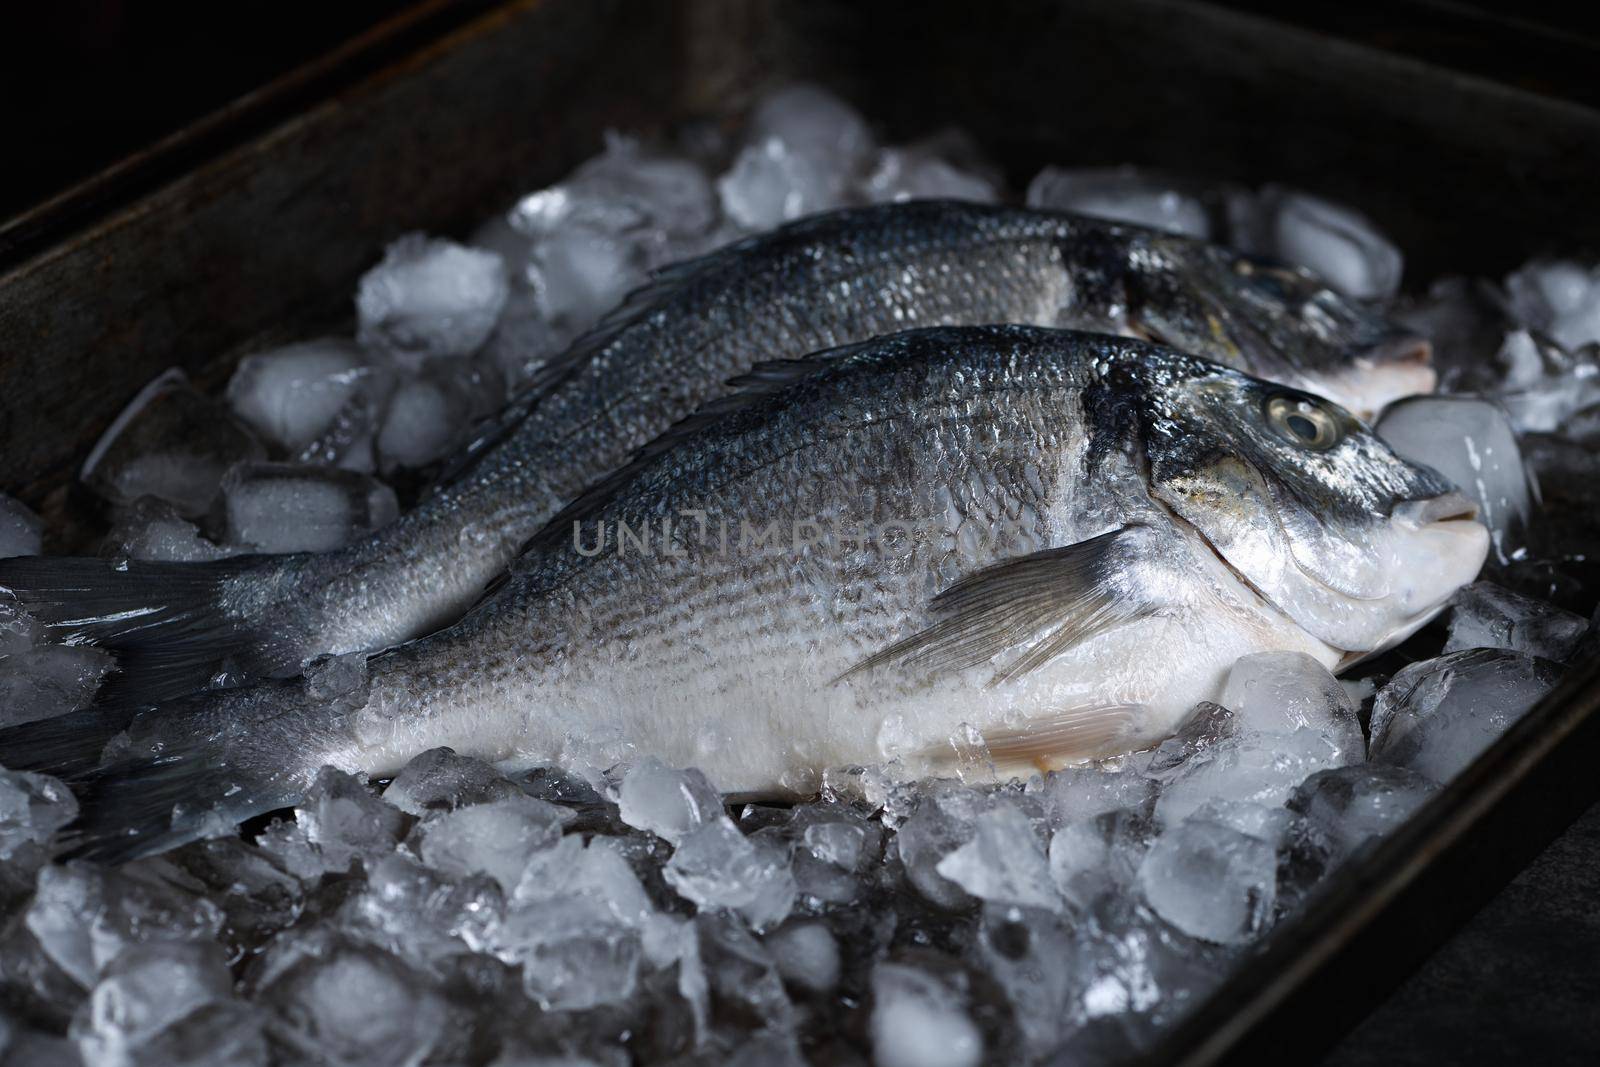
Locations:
(253, 226)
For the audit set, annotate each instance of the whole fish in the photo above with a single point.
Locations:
(824, 281)
(1054, 542)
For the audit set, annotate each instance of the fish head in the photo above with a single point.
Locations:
(1309, 507)
(1274, 321)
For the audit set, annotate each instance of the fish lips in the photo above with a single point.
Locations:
(1414, 560)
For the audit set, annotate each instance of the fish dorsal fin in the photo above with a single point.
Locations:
(1043, 603)
(761, 381)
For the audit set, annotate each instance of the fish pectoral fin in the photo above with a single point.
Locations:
(1043, 603)
(1070, 736)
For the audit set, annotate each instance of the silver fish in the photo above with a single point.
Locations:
(1056, 542)
(825, 281)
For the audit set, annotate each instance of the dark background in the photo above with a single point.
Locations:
(87, 83)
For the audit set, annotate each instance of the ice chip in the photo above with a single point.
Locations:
(32, 807)
(497, 838)
(806, 955)
(1074, 794)
(1089, 857)
(1333, 241)
(422, 916)
(1352, 804)
(152, 529)
(442, 780)
(170, 443)
(574, 951)
(1279, 692)
(149, 996)
(1470, 441)
(1029, 954)
(430, 297)
(668, 803)
(293, 396)
(1544, 384)
(49, 680)
(1211, 880)
(770, 184)
(339, 821)
(579, 273)
(425, 418)
(716, 866)
(282, 507)
(1484, 615)
(812, 122)
(918, 172)
(919, 1021)
(943, 821)
(1257, 768)
(1003, 862)
(355, 1005)
(1435, 717)
(85, 916)
(1122, 194)
(1558, 297)
(21, 531)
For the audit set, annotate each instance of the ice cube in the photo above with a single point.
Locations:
(152, 529)
(425, 419)
(1333, 241)
(354, 1005)
(1003, 862)
(574, 951)
(1352, 804)
(1122, 194)
(430, 298)
(806, 955)
(32, 807)
(579, 273)
(442, 780)
(497, 838)
(282, 507)
(258, 896)
(1211, 880)
(741, 973)
(716, 866)
(421, 916)
(1029, 954)
(813, 122)
(1081, 793)
(1470, 441)
(943, 821)
(171, 443)
(1089, 857)
(922, 172)
(1255, 768)
(1560, 298)
(668, 803)
(1483, 615)
(770, 183)
(21, 531)
(919, 1021)
(1435, 717)
(154, 1003)
(1279, 692)
(340, 821)
(830, 854)
(293, 396)
(1545, 384)
(49, 680)
(85, 916)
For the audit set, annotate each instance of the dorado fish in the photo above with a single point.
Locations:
(1053, 542)
(825, 281)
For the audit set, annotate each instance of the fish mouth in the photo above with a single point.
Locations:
(1448, 523)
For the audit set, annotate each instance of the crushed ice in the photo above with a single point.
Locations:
(458, 914)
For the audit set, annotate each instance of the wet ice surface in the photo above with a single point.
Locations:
(464, 914)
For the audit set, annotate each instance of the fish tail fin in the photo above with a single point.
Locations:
(68, 746)
(194, 766)
(171, 626)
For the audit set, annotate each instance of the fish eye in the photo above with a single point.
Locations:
(1302, 421)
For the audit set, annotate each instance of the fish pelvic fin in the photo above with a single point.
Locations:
(1048, 743)
(1041, 604)
(168, 624)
